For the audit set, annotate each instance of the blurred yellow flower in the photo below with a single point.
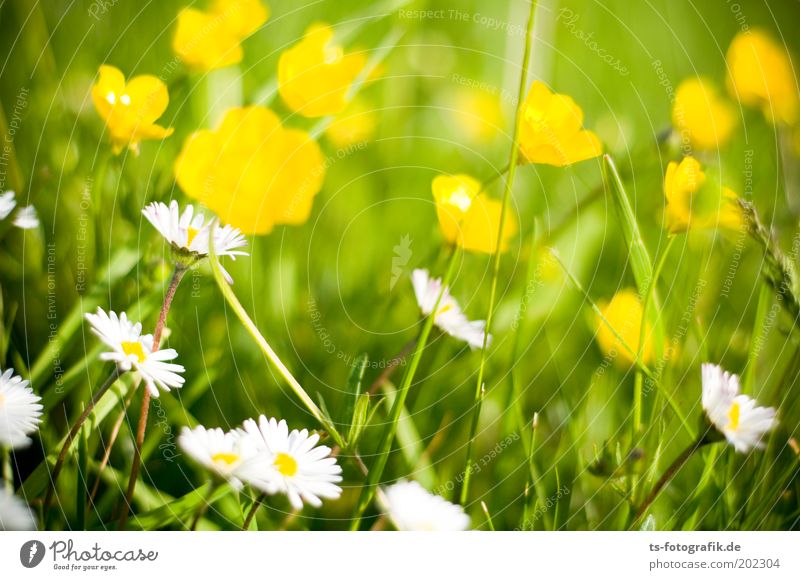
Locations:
(130, 109)
(469, 217)
(315, 75)
(477, 114)
(624, 314)
(551, 129)
(355, 125)
(209, 40)
(695, 202)
(760, 75)
(252, 172)
(701, 116)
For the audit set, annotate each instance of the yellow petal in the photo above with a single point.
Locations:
(106, 91)
(203, 41)
(241, 18)
(700, 116)
(314, 75)
(148, 98)
(624, 314)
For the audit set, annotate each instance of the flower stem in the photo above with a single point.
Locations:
(671, 471)
(204, 505)
(512, 169)
(253, 509)
(385, 446)
(636, 422)
(271, 355)
(112, 439)
(8, 472)
(141, 428)
(112, 378)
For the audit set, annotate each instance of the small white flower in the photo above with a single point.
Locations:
(293, 464)
(735, 416)
(15, 515)
(226, 455)
(26, 218)
(449, 316)
(131, 349)
(414, 509)
(20, 411)
(189, 231)
(7, 204)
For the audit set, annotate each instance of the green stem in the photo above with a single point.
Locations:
(637, 362)
(253, 509)
(204, 505)
(671, 471)
(385, 446)
(262, 343)
(512, 170)
(112, 378)
(177, 276)
(8, 472)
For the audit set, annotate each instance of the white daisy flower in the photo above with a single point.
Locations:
(189, 231)
(414, 509)
(294, 465)
(7, 204)
(227, 455)
(131, 349)
(15, 515)
(20, 411)
(735, 416)
(449, 317)
(26, 218)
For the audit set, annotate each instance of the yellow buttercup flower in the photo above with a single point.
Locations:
(315, 75)
(760, 75)
(130, 109)
(355, 125)
(701, 116)
(624, 313)
(696, 202)
(551, 129)
(252, 172)
(469, 217)
(209, 40)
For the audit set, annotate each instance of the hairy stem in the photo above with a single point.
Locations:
(141, 428)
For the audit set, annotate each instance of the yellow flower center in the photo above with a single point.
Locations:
(733, 417)
(226, 459)
(444, 309)
(286, 464)
(134, 348)
(191, 234)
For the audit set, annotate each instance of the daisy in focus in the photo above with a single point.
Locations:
(734, 415)
(132, 350)
(449, 317)
(20, 411)
(188, 232)
(131, 108)
(227, 455)
(293, 462)
(15, 516)
(413, 509)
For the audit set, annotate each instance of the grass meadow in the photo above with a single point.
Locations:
(531, 157)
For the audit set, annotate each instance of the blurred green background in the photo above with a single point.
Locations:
(324, 292)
